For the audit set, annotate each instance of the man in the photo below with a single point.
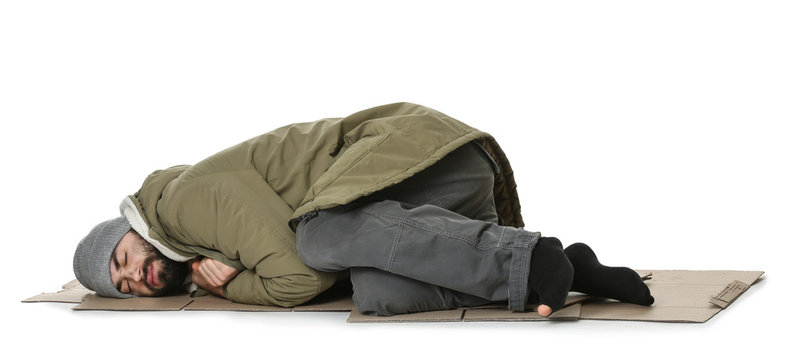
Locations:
(419, 209)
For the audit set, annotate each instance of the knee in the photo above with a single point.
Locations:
(383, 294)
(371, 302)
(369, 295)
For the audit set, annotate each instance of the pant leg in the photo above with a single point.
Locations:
(424, 242)
(461, 182)
(377, 292)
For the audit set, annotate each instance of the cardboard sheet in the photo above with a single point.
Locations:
(674, 303)
(681, 296)
(430, 316)
(72, 292)
(569, 312)
(215, 303)
(167, 303)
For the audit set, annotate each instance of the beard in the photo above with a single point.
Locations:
(172, 273)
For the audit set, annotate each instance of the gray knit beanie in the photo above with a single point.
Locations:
(92, 258)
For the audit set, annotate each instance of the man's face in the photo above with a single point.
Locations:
(137, 268)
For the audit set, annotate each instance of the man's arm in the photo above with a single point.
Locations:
(243, 219)
(215, 277)
(212, 275)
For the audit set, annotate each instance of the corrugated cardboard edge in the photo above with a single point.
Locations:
(72, 292)
(72, 284)
(617, 311)
(430, 316)
(729, 294)
(706, 277)
(680, 296)
(491, 312)
(215, 303)
(571, 312)
(167, 303)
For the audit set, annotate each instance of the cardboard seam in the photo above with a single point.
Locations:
(187, 304)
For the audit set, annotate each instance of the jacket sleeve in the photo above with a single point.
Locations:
(239, 216)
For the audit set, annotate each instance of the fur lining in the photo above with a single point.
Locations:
(129, 211)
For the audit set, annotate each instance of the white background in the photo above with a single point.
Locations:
(654, 131)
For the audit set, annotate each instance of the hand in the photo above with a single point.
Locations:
(212, 275)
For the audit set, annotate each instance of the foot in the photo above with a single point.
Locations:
(550, 275)
(592, 278)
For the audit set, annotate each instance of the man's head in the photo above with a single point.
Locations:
(115, 261)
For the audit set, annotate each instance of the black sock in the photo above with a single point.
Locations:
(592, 278)
(550, 274)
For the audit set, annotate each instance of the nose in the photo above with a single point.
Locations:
(134, 274)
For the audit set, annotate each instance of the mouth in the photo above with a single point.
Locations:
(152, 279)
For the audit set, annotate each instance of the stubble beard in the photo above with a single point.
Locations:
(171, 274)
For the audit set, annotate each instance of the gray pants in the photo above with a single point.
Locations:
(431, 242)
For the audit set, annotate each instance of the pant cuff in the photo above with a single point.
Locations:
(523, 245)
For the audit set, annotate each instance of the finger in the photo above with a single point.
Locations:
(230, 272)
(198, 279)
(215, 271)
(225, 272)
(208, 274)
(220, 272)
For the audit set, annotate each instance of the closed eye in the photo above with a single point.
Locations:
(117, 269)
(125, 260)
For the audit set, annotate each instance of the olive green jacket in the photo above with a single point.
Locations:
(240, 205)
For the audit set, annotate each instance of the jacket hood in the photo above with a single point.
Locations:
(132, 214)
(140, 210)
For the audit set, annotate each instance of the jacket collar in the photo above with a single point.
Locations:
(130, 212)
